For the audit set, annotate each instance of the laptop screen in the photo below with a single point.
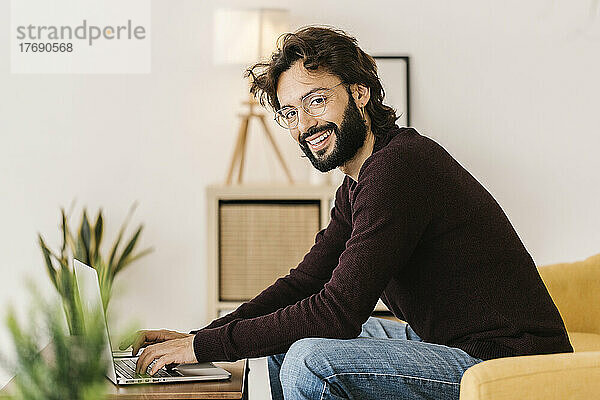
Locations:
(91, 299)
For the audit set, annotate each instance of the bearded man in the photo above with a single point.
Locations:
(410, 226)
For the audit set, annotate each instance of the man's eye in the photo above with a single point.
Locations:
(317, 101)
(291, 114)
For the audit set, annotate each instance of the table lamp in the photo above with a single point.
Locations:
(244, 37)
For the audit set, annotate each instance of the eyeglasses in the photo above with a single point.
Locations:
(313, 104)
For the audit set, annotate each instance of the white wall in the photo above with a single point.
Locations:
(509, 88)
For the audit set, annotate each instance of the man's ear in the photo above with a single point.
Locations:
(361, 94)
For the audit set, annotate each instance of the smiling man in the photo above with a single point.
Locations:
(410, 226)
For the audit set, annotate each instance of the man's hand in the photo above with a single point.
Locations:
(166, 347)
(146, 337)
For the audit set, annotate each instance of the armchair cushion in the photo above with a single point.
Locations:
(540, 377)
(575, 289)
(583, 341)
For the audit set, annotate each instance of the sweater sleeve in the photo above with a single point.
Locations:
(309, 276)
(389, 214)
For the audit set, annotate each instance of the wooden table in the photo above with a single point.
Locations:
(232, 388)
(235, 387)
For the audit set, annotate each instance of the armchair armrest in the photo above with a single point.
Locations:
(539, 377)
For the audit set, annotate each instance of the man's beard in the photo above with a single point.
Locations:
(349, 138)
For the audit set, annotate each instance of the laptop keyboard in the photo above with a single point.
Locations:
(126, 368)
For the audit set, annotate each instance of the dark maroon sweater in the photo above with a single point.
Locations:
(421, 233)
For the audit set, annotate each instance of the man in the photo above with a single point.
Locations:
(410, 226)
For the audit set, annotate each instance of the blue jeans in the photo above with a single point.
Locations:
(387, 361)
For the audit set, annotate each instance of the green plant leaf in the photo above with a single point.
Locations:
(128, 249)
(86, 237)
(113, 252)
(71, 301)
(98, 230)
(69, 235)
(47, 260)
(104, 281)
(135, 257)
(63, 224)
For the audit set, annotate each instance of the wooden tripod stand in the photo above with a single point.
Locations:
(240, 145)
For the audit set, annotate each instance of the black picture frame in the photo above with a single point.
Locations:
(394, 73)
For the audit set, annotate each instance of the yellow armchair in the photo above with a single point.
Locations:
(575, 288)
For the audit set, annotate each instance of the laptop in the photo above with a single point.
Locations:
(121, 369)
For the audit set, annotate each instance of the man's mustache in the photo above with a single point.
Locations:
(317, 129)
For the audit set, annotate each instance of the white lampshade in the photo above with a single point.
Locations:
(246, 36)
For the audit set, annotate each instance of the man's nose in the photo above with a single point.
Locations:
(305, 122)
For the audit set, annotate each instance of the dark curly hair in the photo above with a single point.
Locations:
(330, 49)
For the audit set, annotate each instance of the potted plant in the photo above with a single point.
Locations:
(85, 245)
(70, 366)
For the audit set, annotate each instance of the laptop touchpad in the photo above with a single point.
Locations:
(205, 368)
